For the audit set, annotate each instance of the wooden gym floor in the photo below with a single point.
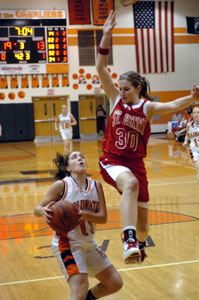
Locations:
(28, 271)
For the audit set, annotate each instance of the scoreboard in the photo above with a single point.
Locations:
(33, 45)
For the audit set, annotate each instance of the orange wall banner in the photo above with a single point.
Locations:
(79, 12)
(101, 10)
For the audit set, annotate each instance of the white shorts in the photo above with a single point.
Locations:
(115, 171)
(66, 135)
(87, 258)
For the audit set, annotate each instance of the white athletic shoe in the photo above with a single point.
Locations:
(131, 251)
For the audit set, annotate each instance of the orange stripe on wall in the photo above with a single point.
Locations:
(130, 40)
(180, 30)
(73, 31)
(123, 31)
(72, 41)
(186, 39)
(123, 40)
(57, 68)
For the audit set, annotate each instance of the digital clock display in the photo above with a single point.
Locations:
(33, 45)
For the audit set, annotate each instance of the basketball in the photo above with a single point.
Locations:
(64, 216)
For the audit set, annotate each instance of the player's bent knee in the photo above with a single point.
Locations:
(131, 184)
(81, 282)
(115, 283)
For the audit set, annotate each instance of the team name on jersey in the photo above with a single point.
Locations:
(134, 122)
(87, 205)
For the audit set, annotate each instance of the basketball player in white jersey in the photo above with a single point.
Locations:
(77, 252)
(64, 123)
(192, 137)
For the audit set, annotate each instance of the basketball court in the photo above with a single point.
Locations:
(30, 272)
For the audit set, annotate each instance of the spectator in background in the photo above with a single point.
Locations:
(100, 118)
(180, 131)
(189, 112)
(192, 139)
(177, 117)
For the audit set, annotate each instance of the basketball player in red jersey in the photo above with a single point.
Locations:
(77, 252)
(125, 141)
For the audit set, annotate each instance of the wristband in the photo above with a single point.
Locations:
(103, 51)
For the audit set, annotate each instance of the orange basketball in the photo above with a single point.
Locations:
(11, 96)
(2, 96)
(64, 216)
(21, 94)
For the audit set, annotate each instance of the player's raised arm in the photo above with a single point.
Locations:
(102, 59)
(175, 105)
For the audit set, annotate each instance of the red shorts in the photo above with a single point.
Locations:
(137, 167)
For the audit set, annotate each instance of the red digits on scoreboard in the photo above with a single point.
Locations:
(3, 56)
(7, 45)
(64, 33)
(41, 45)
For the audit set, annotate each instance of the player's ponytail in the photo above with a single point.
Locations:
(136, 79)
(61, 162)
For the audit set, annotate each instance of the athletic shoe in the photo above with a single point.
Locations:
(131, 251)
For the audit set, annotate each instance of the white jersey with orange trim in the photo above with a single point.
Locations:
(76, 251)
(194, 137)
(86, 200)
(65, 123)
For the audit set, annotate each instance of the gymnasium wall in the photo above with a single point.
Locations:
(167, 86)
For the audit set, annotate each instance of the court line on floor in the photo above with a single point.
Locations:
(170, 163)
(162, 183)
(169, 183)
(120, 270)
(162, 265)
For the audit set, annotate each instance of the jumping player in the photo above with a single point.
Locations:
(65, 122)
(192, 136)
(76, 251)
(125, 142)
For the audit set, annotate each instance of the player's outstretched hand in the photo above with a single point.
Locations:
(110, 22)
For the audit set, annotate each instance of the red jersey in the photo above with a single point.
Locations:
(127, 132)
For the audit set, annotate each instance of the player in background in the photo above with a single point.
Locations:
(76, 251)
(125, 143)
(192, 137)
(64, 123)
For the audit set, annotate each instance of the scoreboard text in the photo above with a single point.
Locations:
(25, 44)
